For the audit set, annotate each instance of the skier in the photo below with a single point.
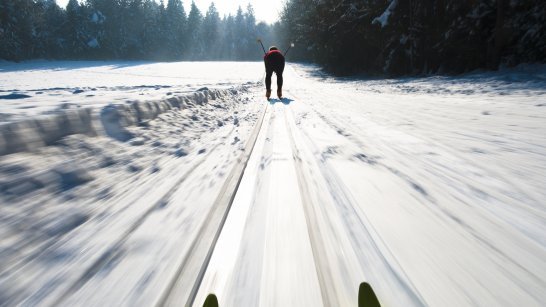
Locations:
(274, 62)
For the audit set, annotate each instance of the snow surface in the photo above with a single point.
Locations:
(53, 86)
(431, 189)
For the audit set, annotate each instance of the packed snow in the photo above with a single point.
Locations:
(431, 189)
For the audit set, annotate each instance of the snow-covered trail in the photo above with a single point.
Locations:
(265, 246)
(431, 190)
(344, 188)
(124, 230)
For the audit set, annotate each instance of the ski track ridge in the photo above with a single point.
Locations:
(324, 274)
(225, 197)
(343, 197)
(445, 212)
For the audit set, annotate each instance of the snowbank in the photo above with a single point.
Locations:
(111, 120)
(34, 88)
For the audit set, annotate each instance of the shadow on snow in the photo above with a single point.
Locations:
(284, 100)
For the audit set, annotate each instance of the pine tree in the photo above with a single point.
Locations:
(249, 34)
(49, 19)
(105, 31)
(176, 28)
(195, 46)
(134, 15)
(10, 44)
(210, 33)
(151, 34)
(241, 42)
(228, 35)
(17, 29)
(74, 40)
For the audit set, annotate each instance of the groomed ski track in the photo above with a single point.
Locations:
(279, 246)
(314, 216)
(316, 201)
(308, 224)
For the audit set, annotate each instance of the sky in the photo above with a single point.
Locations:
(265, 10)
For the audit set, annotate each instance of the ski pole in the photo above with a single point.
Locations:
(263, 48)
(291, 45)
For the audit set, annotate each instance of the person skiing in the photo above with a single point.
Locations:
(274, 63)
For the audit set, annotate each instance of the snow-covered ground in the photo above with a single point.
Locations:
(431, 189)
(45, 87)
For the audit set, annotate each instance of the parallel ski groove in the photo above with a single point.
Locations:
(329, 294)
(443, 212)
(343, 198)
(225, 197)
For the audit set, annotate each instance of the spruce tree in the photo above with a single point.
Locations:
(176, 28)
(18, 29)
(249, 34)
(10, 44)
(228, 36)
(134, 17)
(74, 41)
(210, 33)
(241, 42)
(195, 46)
(151, 35)
(48, 26)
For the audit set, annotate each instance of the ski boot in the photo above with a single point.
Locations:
(267, 94)
(279, 93)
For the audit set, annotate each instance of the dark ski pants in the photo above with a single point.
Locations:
(269, 72)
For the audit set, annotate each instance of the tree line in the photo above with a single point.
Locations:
(398, 37)
(127, 29)
(393, 37)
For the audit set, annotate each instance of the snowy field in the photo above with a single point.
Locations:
(44, 87)
(432, 189)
